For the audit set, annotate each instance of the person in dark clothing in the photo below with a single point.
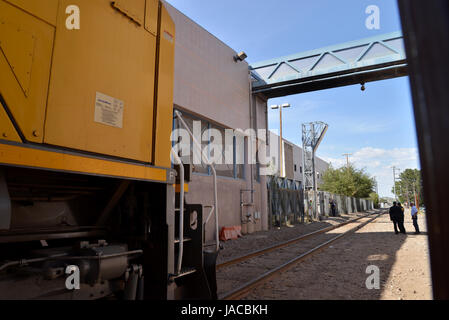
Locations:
(333, 208)
(397, 217)
(393, 212)
(401, 218)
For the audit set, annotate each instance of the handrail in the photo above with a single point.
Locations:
(214, 174)
(212, 209)
(181, 210)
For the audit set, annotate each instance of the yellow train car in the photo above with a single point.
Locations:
(87, 189)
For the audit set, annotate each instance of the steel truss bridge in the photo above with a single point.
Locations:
(357, 62)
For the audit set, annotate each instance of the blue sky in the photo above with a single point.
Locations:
(377, 125)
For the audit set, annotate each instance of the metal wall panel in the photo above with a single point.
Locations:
(110, 55)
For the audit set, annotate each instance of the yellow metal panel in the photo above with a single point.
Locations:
(109, 55)
(42, 159)
(164, 119)
(134, 9)
(43, 9)
(151, 16)
(25, 94)
(17, 46)
(178, 188)
(7, 130)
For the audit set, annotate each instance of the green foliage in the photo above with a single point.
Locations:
(409, 184)
(374, 197)
(350, 182)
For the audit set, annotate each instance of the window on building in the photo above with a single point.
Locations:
(296, 169)
(300, 169)
(227, 167)
(194, 157)
(224, 166)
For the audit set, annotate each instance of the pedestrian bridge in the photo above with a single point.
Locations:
(357, 62)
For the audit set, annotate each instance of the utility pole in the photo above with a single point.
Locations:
(312, 135)
(394, 181)
(377, 186)
(408, 194)
(281, 139)
(416, 196)
(347, 155)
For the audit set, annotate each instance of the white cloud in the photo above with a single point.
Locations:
(379, 162)
(368, 128)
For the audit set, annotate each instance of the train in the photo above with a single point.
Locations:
(91, 205)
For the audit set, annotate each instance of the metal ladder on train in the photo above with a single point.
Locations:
(180, 211)
(181, 240)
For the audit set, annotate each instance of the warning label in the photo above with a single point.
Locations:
(109, 110)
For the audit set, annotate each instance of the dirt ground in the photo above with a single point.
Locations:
(339, 272)
(260, 240)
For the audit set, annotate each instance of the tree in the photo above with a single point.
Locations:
(374, 197)
(409, 185)
(350, 182)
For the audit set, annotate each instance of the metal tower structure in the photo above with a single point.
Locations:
(312, 135)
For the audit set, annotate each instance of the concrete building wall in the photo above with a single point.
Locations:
(207, 80)
(293, 159)
(260, 183)
(297, 161)
(321, 168)
(210, 85)
(289, 167)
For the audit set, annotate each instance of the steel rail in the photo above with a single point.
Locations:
(286, 243)
(244, 289)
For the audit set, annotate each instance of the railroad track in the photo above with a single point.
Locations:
(278, 258)
(286, 243)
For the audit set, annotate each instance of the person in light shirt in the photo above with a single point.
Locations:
(415, 218)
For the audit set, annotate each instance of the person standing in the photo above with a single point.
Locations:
(415, 218)
(393, 217)
(401, 218)
(397, 217)
(333, 208)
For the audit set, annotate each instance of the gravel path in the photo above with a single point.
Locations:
(261, 240)
(339, 272)
(234, 276)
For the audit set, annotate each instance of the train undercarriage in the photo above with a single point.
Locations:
(121, 235)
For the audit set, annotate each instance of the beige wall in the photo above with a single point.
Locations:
(295, 157)
(210, 85)
(207, 80)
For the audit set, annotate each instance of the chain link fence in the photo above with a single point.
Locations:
(288, 205)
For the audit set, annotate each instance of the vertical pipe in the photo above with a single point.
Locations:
(315, 189)
(304, 168)
(281, 145)
(252, 122)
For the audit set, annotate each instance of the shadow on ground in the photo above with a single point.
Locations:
(340, 272)
(263, 239)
